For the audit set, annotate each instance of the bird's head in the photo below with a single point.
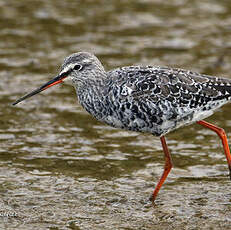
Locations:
(80, 67)
(76, 69)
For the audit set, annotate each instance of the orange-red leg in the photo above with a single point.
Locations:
(221, 133)
(167, 168)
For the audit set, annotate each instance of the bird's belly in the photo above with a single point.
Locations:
(141, 117)
(133, 122)
(157, 124)
(157, 119)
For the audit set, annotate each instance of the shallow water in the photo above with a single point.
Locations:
(62, 169)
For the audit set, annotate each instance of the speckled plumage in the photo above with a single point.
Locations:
(146, 99)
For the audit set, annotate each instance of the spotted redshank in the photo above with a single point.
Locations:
(148, 99)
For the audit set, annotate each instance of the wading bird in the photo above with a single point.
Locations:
(148, 99)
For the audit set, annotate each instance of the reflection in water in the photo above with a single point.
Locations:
(59, 163)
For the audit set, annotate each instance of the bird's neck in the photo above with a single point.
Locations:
(90, 95)
(92, 80)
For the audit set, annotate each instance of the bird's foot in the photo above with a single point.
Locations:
(152, 199)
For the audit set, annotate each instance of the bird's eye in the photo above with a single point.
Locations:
(77, 67)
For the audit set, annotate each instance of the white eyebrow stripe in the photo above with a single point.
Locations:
(86, 61)
(67, 68)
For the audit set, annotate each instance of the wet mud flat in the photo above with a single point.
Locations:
(60, 168)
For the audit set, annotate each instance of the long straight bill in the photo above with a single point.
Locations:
(50, 83)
